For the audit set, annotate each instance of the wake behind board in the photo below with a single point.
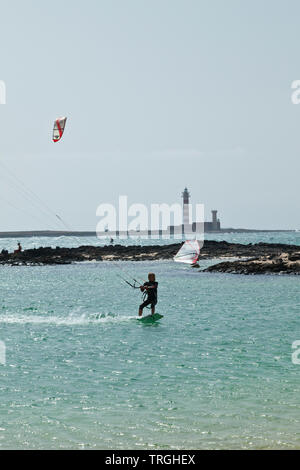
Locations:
(151, 318)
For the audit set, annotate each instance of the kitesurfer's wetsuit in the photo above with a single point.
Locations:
(152, 295)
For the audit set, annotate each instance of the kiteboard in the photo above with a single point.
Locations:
(150, 318)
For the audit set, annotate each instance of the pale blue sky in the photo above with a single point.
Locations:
(159, 94)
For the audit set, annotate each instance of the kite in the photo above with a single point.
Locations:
(58, 129)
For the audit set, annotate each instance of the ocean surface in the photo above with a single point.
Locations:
(82, 373)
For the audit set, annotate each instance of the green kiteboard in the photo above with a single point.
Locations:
(150, 318)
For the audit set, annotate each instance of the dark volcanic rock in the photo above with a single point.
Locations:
(47, 255)
(285, 263)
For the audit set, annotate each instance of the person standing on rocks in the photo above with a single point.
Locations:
(19, 249)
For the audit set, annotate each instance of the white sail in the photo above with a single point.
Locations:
(188, 253)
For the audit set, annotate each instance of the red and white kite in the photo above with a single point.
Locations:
(58, 129)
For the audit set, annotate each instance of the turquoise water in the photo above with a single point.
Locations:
(82, 372)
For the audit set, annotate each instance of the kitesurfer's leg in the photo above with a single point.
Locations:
(153, 307)
(142, 306)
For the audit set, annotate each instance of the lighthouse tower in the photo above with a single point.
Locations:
(186, 207)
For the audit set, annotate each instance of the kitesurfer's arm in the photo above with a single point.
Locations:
(154, 286)
(147, 288)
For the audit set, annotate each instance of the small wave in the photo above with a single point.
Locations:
(69, 320)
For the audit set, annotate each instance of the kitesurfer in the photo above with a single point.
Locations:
(149, 288)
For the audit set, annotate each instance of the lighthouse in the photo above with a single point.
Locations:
(186, 207)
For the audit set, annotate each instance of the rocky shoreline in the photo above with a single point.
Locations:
(284, 263)
(260, 257)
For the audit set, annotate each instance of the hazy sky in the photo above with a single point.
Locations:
(159, 94)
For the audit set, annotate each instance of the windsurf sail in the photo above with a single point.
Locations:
(188, 253)
(59, 128)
